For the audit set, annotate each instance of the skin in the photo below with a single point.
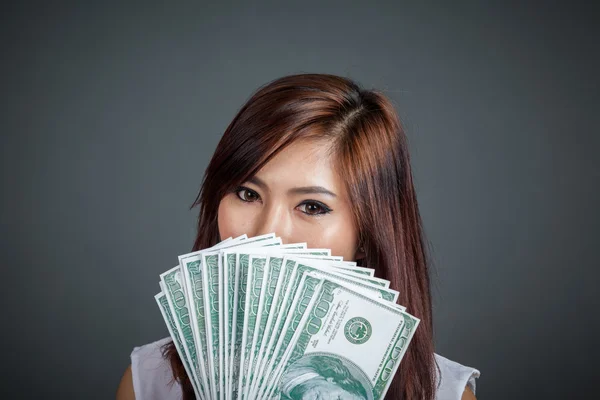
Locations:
(468, 394)
(297, 195)
(125, 389)
(283, 198)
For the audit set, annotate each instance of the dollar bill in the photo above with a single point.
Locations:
(258, 271)
(171, 283)
(238, 304)
(360, 338)
(251, 317)
(190, 276)
(267, 295)
(300, 267)
(210, 292)
(257, 267)
(307, 288)
(165, 310)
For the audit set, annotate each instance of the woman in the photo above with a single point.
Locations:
(315, 158)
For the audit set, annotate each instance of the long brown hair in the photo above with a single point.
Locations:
(372, 157)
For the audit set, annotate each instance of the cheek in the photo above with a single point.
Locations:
(335, 232)
(338, 234)
(227, 218)
(234, 219)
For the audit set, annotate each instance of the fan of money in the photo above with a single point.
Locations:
(252, 318)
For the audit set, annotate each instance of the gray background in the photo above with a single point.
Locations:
(110, 114)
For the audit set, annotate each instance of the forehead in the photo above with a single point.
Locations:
(303, 163)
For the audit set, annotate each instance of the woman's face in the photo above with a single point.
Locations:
(297, 195)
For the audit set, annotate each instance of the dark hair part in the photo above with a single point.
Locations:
(371, 150)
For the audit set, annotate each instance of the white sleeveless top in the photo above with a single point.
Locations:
(153, 378)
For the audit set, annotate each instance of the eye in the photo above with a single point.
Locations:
(314, 208)
(246, 194)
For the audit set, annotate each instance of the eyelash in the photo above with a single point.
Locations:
(323, 207)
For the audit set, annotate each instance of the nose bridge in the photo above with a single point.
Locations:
(273, 219)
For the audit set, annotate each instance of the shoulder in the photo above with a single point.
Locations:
(149, 376)
(468, 394)
(454, 380)
(125, 390)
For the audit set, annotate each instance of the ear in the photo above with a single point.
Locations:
(360, 253)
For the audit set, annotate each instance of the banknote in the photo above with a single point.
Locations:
(359, 282)
(270, 295)
(214, 296)
(238, 304)
(210, 292)
(360, 338)
(189, 275)
(165, 310)
(256, 311)
(172, 285)
(306, 291)
(253, 318)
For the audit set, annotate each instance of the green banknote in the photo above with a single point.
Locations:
(258, 271)
(358, 337)
(252, 318)
(171, 283)
(226, 276)
(304, 296)
(301, 267)
(210, 292)
(257, 267)
(190, 267)
(269, 295)
(238, 304)
(165, 310)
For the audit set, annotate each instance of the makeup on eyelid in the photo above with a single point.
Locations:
(308, 202)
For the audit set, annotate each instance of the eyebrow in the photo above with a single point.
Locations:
(297, 190)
